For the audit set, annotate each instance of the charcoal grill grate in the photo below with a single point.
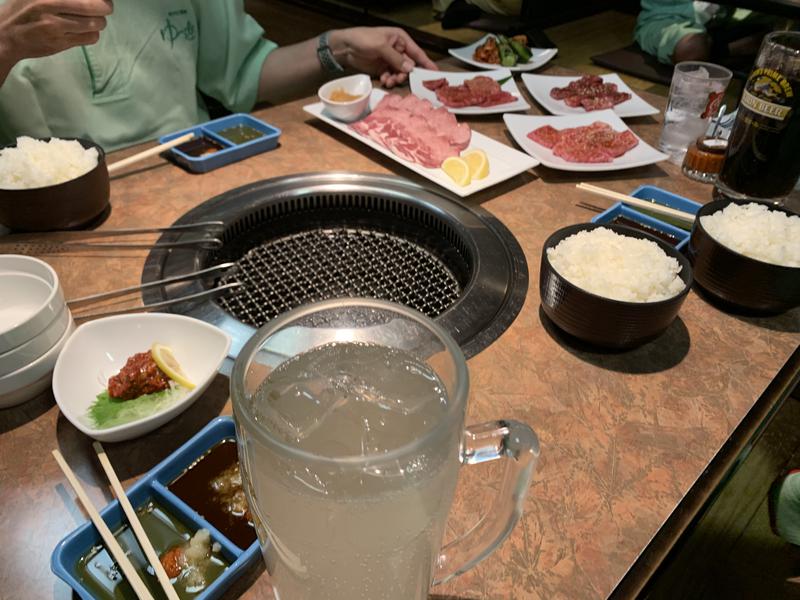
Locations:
(318, 264)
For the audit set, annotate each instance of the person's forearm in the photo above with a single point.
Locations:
(292, 71)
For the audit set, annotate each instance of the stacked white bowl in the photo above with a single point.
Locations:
(35, 323)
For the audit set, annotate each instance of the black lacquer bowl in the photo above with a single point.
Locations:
(602, 321)
(739, 280)
(66, 205)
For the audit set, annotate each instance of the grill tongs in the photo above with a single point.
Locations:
(228, 267)
(208, 239)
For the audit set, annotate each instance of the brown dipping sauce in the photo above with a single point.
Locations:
(200, 147)
(213, 487)
(339, 95)
(662, 235)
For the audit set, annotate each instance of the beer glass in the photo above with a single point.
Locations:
(763, 157)
(338, 524)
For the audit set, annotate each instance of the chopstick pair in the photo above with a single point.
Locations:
(113, 167)
(680, 215)
(111, 543)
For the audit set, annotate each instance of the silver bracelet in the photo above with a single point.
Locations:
(326, 57)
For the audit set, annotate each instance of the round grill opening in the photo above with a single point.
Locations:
(302, 239)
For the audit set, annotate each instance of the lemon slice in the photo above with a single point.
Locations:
(458, 170)
(166, 361)
(478, 163)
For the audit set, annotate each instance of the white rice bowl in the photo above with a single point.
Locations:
(753, 230)
(615, 266)
(36, 163)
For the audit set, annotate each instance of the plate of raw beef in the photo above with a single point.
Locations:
(596, 141)
(420, 136)
(468, 93)
(540, 56)
(584, 94)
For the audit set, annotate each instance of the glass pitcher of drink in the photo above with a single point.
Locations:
(350, 420)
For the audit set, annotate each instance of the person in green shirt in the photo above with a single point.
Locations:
(125, 72)
(679, 30)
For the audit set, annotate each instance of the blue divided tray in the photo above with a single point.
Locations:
(231, 152)
(153, 485)
(650, 192)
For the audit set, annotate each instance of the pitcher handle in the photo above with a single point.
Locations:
(518, 445)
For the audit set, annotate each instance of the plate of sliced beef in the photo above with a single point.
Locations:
(420, 136)
(596, 141)
(582, 94)
(486, 93)
(467, 54)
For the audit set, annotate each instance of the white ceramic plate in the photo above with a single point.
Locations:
(504, 162)
(418, 76)
(540, 85)
(541, 56)
(98, 349)
(519, 126)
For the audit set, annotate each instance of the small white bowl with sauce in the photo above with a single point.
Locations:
(346, 98)
(99, 349)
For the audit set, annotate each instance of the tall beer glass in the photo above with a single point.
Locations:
(763, 157)
(350, 420)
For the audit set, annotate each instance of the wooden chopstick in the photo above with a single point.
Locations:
(638, 202)
(110, 542)
(150, 152)
(136, 525)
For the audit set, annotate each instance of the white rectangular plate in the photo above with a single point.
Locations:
(519, 126)
(418, 76)
(504, 162)
(540, 85)
(541, 56)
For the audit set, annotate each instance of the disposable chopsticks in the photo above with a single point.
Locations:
(135, 524)
(110, 542)
(638, 202)
(150, 152)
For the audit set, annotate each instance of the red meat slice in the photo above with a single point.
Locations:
(478, 91)
(590, 93)
(546, 135)
(433, 84)
(593, 143)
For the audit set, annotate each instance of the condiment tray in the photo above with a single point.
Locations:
(228, 151)
(650, 192)
(153, 486)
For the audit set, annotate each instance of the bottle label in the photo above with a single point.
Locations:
(767, 93)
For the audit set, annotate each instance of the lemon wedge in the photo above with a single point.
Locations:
(458, 170)
(166, 361)
(478, 163)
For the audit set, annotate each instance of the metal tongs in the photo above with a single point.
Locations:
(210, 293)
(208, 228)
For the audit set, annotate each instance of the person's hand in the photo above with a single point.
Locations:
(386, 52)
(34, 28)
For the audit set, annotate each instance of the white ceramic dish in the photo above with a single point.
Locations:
(355, 85)
(22, 355)
(504, 162)
(519, 126)
(418, 76)
(25, 383)
(27, 264)
(540, 85)
(28, 304)
(541, 56)
(99, 349)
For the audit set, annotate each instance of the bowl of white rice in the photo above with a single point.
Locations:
(52, 183)
(747, 254)
(610, 285)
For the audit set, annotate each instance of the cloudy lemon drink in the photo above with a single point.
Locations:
(352, 495)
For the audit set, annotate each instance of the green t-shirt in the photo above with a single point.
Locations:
(143, 78)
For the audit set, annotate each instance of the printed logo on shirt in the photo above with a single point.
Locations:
(177, 26)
